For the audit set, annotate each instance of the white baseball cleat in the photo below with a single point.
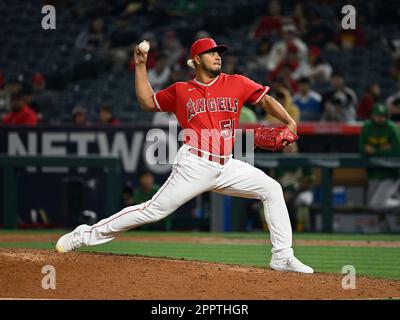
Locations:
(72, 240)
(291, 264)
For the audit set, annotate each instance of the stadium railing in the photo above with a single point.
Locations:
(111, 165)
(327, 163)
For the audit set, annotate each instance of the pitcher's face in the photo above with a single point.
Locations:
(211, 62)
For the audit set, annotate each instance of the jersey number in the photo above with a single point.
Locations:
(227, 127)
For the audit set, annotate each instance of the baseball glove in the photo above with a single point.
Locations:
(273, 139)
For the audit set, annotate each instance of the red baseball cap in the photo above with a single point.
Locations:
(204, 45)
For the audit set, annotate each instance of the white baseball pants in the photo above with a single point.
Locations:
(192, 175)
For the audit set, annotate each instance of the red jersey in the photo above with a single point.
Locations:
(210, 112)
(24, 116)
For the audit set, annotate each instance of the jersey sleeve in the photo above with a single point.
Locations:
(165, 99)
(253, 92)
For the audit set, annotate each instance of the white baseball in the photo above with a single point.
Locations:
(144, 46)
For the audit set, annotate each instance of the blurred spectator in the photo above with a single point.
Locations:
(299, 70)
(335, 109)
(260, 60)
(4, 97)
(177, 74)
(122, 42)
(308, 101)
(173, 48)
(230, 63)
(93, 47)
(380, 138)
(79, 117)
(27, 93)
(349, 38)
(106, 116)
(147, 188)
(296, 184)
(21, 113)
(247, 115)
(12, 88)
(94, 39)
(316, 69)
(299, 18)
(390, 101)
(370, 98)
(283, 75)
(159, 75)
(319, 30)
(15, 84)
(320, 70)
(394, 45)
(290, 43)
(43, 101)
(395, 70)
(284, 98)
(339, 103)
(123, 36)
(269, 25)
(161, 119)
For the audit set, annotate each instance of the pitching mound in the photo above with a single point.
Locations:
(108, 276)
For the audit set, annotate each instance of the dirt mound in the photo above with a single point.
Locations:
(107, 276)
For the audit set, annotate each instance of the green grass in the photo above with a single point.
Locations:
(231, 235)
(370, 261)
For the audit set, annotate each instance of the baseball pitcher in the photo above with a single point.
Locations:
(208, 109)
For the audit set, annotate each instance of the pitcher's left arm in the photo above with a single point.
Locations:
(273, 107)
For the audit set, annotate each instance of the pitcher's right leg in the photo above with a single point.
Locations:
(163, 203)
(188, 179)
